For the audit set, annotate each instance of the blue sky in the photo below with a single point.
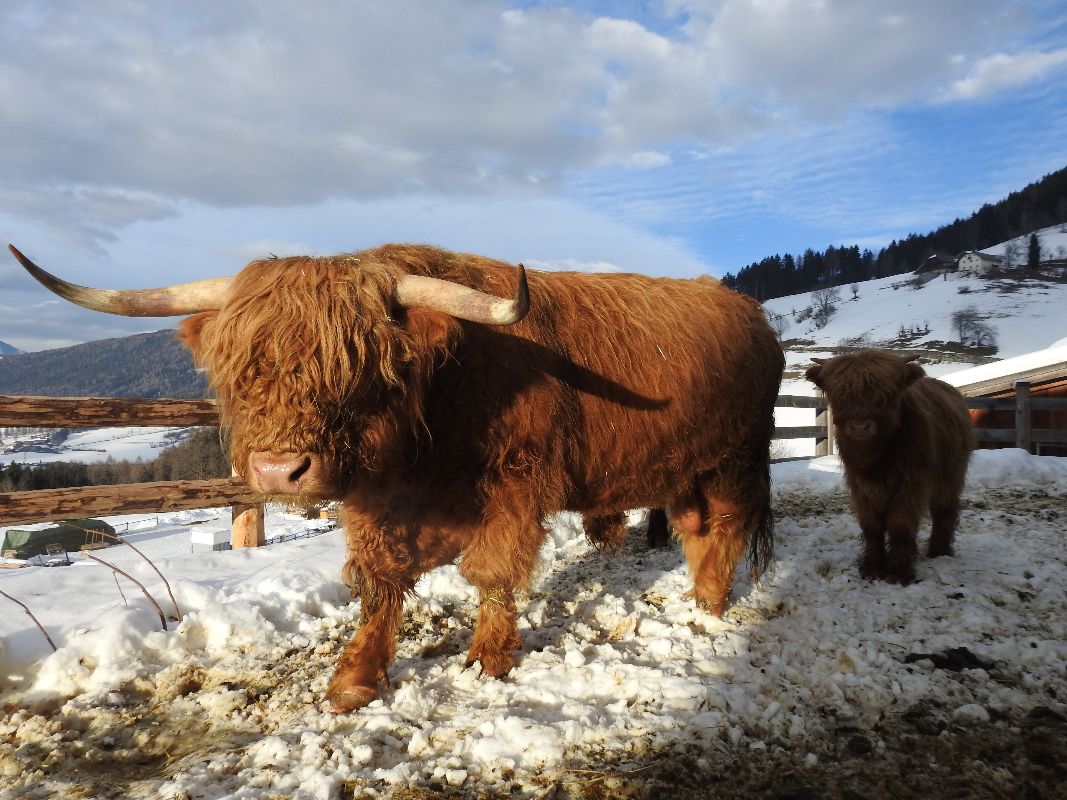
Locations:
(149, 144)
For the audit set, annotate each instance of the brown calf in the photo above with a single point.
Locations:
(904, 440)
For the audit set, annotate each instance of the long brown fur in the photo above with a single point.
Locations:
(905, 440)
(449, 439)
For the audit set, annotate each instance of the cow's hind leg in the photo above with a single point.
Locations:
(728, 510)
(658, 533)
(366, 658)
(945, 512)
(606, 531)
(713, 540)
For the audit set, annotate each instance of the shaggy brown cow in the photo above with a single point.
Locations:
(904, 440)
(380, 378)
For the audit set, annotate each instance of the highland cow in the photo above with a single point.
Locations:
(451, 406)
(904, 440)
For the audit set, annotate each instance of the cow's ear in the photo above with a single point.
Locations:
(190, 332)
(434, 333)
(914, 373)
(812, 374)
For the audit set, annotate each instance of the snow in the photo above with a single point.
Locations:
(88, 446)
(1055, 354)
(1027, 314)
(616, 661)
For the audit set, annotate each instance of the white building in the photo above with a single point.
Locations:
(976, 263)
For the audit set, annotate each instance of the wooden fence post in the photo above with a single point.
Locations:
(246, 529)
(824, 444)
(1023, 436)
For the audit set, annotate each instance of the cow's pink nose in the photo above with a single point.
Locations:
(278, 473)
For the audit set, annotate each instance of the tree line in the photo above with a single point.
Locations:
(198, 457)
(1038, 205)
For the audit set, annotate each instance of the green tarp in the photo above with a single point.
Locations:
(68, 535)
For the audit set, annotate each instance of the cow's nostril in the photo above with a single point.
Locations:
(301, 470)
(280, 472)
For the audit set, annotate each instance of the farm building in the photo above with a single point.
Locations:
(71, 535)
(976, 263)
(1046, 373)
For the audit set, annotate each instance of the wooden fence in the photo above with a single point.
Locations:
(96, 412)
(87, 501)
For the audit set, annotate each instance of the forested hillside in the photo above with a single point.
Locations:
(145, 365)
(1039, 205)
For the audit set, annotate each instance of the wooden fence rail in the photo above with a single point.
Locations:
(103, 412)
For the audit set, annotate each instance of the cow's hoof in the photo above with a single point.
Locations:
(495, 665)
(712, 604)
(936, 552)
(872, 569)
(342, 701)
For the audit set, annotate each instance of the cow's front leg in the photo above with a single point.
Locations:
(496, 636)
(352, 577)
(367, 657)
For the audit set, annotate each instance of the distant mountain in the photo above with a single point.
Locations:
(8, 350)
(145, 365)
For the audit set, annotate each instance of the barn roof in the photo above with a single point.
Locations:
(1038, 367)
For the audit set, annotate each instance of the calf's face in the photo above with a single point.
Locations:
(865, 391)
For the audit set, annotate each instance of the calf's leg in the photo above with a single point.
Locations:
(902, 529)
(873, 556)
(942, 529)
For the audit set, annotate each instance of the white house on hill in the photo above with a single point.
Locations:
(977, 263)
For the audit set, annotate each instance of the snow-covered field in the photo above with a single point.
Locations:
(816, 683)
(88, 446)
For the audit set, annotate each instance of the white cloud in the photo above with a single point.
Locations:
(572, 265)
(647, 159)
(1002, 71)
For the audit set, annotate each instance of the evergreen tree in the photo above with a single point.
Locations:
(1033, 256)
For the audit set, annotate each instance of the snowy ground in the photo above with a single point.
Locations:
(815, 684)
(87, 446)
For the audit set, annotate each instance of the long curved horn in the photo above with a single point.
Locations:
(819, 360)
(462, 301)
(166, 301)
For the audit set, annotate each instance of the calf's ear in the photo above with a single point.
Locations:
(914, 373)
(812, 374)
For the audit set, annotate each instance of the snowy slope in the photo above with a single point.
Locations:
(88, 447)
(1028, 315)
